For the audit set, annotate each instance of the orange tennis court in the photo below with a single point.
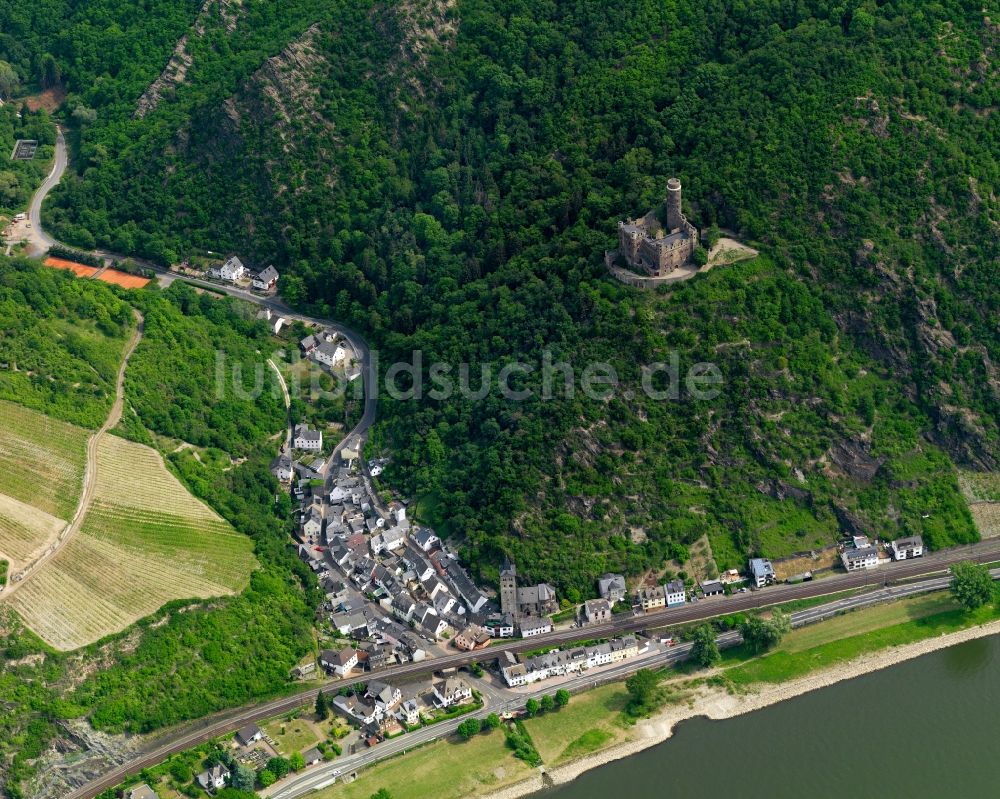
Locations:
(80, 270)
(123, 279)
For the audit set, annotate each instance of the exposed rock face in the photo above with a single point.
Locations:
(854, 460)
(175, 72)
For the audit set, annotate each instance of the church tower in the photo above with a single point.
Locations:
(508, 589)
(675, 219)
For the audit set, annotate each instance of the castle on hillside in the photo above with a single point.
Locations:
(647, 247)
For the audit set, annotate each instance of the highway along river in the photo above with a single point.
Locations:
(929, 727)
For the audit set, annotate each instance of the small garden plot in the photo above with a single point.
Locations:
(24, 150)
(144, 542)
(41, 460)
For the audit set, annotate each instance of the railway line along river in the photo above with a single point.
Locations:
(927, 727)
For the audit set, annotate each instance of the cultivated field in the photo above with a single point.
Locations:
(982, 492)
(144, 542)
(41, 460)
(25, 531)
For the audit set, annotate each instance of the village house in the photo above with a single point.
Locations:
(512, 670)
(213, 779)
(307, 439)
(357, 709)
(330, 354)
(409, 713)
(712, 588)
(312, 524)
(340, 662)
(531, 627)
(312, 756)
(761, 572)
(651, 597)
(451, 691)
(611, 587)
(473, 598)
(424, 538)
(597, 611)
(309, 343)
(500, 625)
(281, 468)
(471, 638)
(248, 735)
(140, 791)
(403, 607)
(862, 557)
(388, 540)
(384, 696)
(231, 271)
(910, 547)
(676, 595)
(265, 280)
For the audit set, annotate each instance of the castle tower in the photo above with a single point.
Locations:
(508, 589)
(675, 219)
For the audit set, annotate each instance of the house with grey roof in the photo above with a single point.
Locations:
(266, 279)
(306, 438)
(611, 587)
(761, 572)
(213, 779)
(140, 791)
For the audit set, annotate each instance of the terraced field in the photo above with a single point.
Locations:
(982, 492)
(41, 460)
(145, 541)
(24, 531)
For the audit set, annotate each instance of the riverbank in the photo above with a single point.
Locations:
(719, 704)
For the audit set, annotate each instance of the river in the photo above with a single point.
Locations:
(928, 727)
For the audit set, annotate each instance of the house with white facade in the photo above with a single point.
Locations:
(231, 271)
(675, 593)
(906, 548)
(859, 558)
(451, 691)
(308, 439)
(265, 280)
(761, 572)
(532, 626)
(340, 662)
(213, 779)
(330, 354)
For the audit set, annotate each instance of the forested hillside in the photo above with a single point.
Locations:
(446, 175)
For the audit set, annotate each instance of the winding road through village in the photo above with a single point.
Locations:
(888, 583)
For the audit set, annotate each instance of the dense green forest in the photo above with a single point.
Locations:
(18, 179)
(189, 659)
(61, 341)
(446, 176)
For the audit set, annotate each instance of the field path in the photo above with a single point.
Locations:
(90, 471)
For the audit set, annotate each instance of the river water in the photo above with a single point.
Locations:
(929, 727)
